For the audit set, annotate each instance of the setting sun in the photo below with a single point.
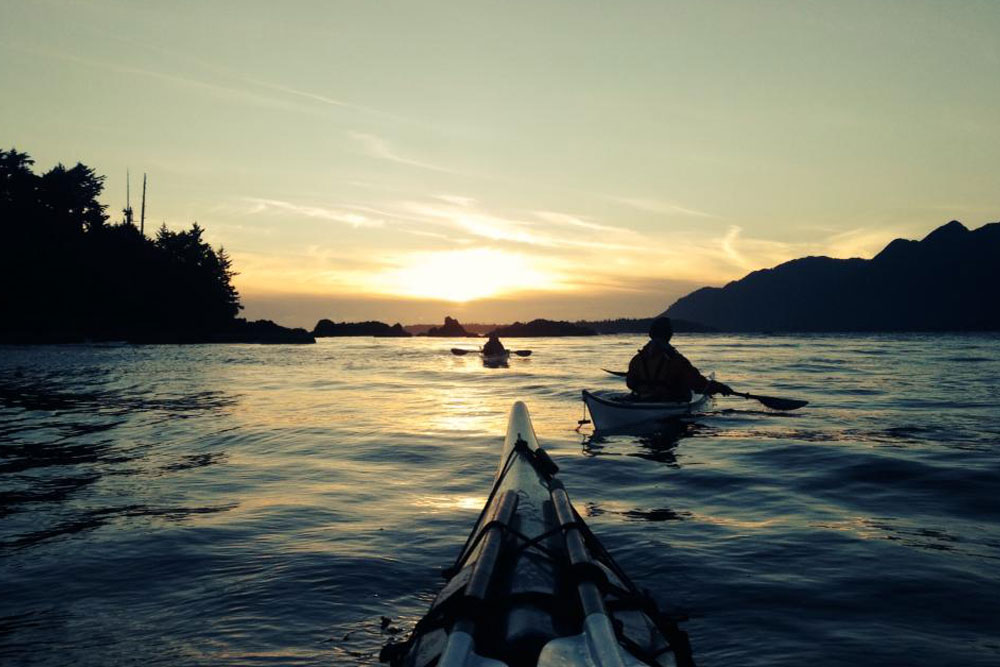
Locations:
(464, 275)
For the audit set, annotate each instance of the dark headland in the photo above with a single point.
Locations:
(948, 281)
(69, 275)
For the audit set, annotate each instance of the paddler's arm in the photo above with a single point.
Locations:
(719, 388)
(701, 384)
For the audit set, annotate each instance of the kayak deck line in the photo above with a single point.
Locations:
(532, 585)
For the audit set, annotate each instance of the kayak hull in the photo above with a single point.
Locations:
(532, 586)
(614, 412)
(496, 359)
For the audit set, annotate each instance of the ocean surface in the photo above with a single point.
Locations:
(245, 505)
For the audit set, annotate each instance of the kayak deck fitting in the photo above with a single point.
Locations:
(533, 586)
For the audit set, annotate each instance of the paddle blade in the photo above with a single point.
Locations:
(459, 351)
(523, 353)
(780, 403)
(620, 374)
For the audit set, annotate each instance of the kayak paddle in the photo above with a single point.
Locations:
(772, 402)
(459, 352)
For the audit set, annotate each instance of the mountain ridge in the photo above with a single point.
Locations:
(949, 280)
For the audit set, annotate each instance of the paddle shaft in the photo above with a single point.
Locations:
(772, 402)
(457, 351)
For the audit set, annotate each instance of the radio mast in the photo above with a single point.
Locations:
(128, 200)
(142, 215)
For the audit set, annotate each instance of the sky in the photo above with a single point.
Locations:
(496, 161)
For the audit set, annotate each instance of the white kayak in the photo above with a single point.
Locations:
(533, 585)
(614, 411)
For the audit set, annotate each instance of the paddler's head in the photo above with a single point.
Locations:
(661, 329)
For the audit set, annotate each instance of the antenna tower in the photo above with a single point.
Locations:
(128, 199)
(142, 216)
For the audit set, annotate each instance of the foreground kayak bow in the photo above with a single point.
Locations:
(533, 585)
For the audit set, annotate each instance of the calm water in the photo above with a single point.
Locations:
(269, 505)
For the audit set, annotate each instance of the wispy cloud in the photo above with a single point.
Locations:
(659, 206)
(575, 221)
(349, 217)
(728, 244)
(546, 231)
(457, 200)
(324, 99)
(590, 254)
(213, 88)
(218, 71)
(232, 85)
(378, 147)
(859, 242)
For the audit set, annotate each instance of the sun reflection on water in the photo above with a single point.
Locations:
(435, 504)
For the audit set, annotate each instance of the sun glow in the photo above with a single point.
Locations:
(464, 275)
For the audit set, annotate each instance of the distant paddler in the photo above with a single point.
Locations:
(493, 346)
(660, 373)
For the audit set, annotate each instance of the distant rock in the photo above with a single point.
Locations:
(473, 328)
(542, 328)
(262, 331)
(450, 329)
(327, 328)
(237, 331)
(640, 326)
(949, 281)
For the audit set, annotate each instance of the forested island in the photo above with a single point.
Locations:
(543, 328)
(70, 275)
(328, 328)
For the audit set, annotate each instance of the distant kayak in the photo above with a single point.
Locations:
(533, 585)
(614, 411)
(491, 359)
(496, 359)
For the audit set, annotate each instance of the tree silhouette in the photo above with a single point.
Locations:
(69, 275)
(68, 198)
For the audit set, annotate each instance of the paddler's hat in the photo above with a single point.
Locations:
(661, 327)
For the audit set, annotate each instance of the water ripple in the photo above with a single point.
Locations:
(185, 505)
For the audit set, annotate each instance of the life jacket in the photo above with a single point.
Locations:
(661, 372)
(493, 347)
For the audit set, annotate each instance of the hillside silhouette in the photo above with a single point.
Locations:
(70, 275)
(542, 328)
(948, 281)
(630, 325)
